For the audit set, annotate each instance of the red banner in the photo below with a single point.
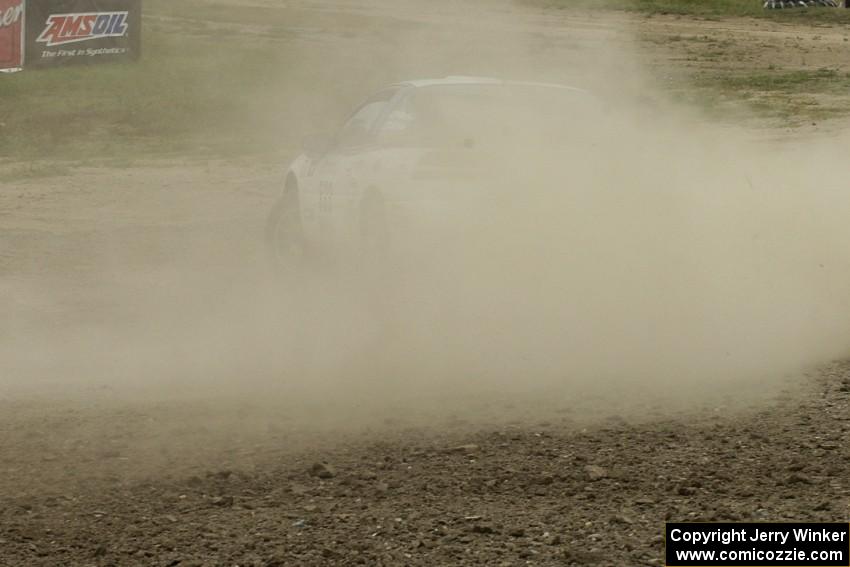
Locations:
(11, 33)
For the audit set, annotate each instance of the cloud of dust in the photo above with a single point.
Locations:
(658, 257)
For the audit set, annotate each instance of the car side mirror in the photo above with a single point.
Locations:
(317, 144)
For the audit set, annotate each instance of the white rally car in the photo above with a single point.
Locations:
(411, 157)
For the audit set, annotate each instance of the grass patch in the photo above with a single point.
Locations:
(231, 82)
(707, 9)
(33, 170)
(788, 97)
(196, 91)
(801, 81)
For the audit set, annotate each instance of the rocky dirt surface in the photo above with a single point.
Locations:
(514, 495)
(85, 254)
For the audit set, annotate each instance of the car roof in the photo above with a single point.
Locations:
(456, 80)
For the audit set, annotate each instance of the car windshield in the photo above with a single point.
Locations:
(472, 115)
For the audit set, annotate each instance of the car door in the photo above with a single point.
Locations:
(336, 187)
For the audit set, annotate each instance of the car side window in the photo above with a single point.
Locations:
(358, 128)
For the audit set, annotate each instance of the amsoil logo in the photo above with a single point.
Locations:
(72, 28)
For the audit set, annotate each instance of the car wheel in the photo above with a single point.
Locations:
(284, 232)
(374, 235)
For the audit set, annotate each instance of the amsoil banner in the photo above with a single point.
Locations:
(11, 33)
(66, 32)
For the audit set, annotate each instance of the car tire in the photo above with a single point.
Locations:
(284, 234)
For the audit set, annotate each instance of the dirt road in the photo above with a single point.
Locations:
(141, 423)
(532, 493)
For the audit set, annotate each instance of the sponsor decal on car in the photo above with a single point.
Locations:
(61, 29)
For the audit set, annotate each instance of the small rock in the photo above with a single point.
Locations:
(277, 561)
(222, 501)
(328, 553)
(516, 532)
(798, 478)
(482, 529)
(465, 449)
(322, 470)
(595, 472)
(221, 475)
(583, 557)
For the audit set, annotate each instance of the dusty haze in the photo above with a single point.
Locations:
(668, 262)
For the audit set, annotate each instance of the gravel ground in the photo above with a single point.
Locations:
(513, 495)
(94, 482)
